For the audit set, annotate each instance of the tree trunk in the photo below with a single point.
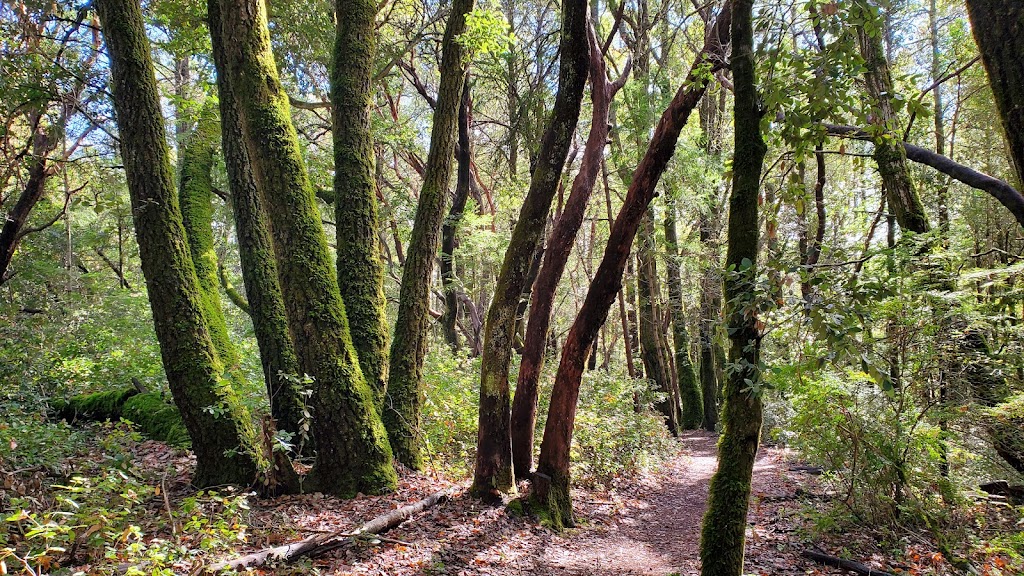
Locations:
(450, 228)
(402, 403)
(278, 358)
(889, 153)
(652, 341)
(998, 27)
(360, 270)
(353, 454)
(225, 445)
(725, 522)
(551, 486)
(691, 403)
(493, 471)
(556, 257)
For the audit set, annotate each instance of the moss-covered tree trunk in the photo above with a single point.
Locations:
(889, 153)
(725, 522)
(403, 402)
(691, 402)
(998, 27)
(195, 197)
(551, 481)
(652, 334)
(493, 471)
(280, 363)
(225, 444)
(353, 453)
(556, 257)
(360, 270)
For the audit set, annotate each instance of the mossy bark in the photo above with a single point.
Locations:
(889, 153)
(403, 401)
(278, 358)
(725, 522)
(225, 444)
(652, 336)
(493, 470)
(353, 454)
(553, 464)
(998, 27)
(691, 401)
(360, 269)
(195, 196)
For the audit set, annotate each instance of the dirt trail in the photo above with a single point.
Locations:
(649, 526)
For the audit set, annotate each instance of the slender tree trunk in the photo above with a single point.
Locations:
(725, 522)
(889, 152)
(38, 173)
(403, 403)
(278, 358)
(939, 113)
(225, 445)
(551, 481)
(998, 27)
(360, 270)
(493, 471)
(691, 402)
(353, 454)
(450, 228)
(556, 257)
(652, 341)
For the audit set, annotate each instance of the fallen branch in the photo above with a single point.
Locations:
(320, 543)
(848, 565)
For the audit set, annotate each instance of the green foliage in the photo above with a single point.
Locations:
(487, 33)
(451, 384)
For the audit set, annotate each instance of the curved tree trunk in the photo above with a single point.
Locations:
(225, 446)
(551, 481)
(725, 522)
(360, 270)
(493, 471)
(889, 153)
(278, 358)
(450, 228)
(998, 27)
(402, 403)
(556, 257)
(353, 454)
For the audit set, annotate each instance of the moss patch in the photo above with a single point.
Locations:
(156, 418)
(99, 406)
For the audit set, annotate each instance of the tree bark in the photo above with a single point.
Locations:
(493, 471)
(225, 445)
(551, 482)
(403, 402)
(556, 257)
(725, 522)
(353, 454)
(278, 357)
(691, 402)
(998, 27)
(652, 327)
(43, 143)
(450, 228)
(360, 270)
(889, 154)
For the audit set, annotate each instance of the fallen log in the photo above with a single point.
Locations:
(321, 543)
(848, 565)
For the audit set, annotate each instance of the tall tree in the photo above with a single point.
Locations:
(450, 228)
(361, 272)
(551, 481)
(889, 153)
(403, 401)
(556, 257)
(224, 444)
(998, 27)
(725, 522)
(691, 414)
(353, 454)
(281, 372)
(493, 471)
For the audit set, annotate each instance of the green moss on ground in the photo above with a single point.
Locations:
(97, 406)
(156, 418)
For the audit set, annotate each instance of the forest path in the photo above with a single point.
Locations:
(656, 530)
(648, 524)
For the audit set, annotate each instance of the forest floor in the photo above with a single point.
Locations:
(648, 524)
